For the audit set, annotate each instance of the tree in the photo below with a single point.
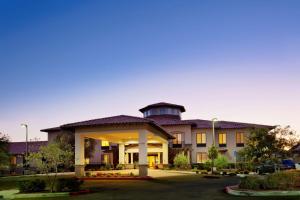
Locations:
(4, 154)
(48, 159)
(286, 138)
(212, 155)
(89, 147)
(67, 141)
(262, 145)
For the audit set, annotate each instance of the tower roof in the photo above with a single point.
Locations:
(163, 104)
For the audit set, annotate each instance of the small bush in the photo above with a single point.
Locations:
(251, 183)
(207, 165)
(120, 167)
(27, 186)
(221, 162)
(280, 181)
(108, 166)
(181, 161)
(275, 181)
(68, 185)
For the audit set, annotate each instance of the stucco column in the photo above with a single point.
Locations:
(158, 158)
(79, 155)
(143, 165)
(165, 153)
(121, 154)
(188, 156)
(131, 158)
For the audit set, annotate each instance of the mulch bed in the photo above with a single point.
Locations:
(117, 178)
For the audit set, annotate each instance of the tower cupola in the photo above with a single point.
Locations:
(163, 108)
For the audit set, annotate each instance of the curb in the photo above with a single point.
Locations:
(235, 191)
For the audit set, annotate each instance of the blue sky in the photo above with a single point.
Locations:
(63, 61)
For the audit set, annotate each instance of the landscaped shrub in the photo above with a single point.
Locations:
(280, 181)
(120, 167)
(276, 181)
(207, 165)
(36, 185)
(68, 185)
(251, 183)
(221, 162)
(181, 161)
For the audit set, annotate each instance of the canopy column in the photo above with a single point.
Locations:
(79, 155)
(165, 153)
(143, 165)
(121, 153)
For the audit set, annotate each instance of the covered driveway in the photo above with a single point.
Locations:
(122, 130)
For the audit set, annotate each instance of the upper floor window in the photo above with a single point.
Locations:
(201, 139)
(239, 139)
(162, 111)
(222, 139)
(177, 142)
(202, 157)
(104, 143)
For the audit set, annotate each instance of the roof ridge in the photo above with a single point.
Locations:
(103, 118)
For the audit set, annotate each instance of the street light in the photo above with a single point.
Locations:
(213, 129)
(26, 127)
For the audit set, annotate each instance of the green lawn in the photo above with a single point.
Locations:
(173, 188)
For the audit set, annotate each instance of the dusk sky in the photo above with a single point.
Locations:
(64, 61)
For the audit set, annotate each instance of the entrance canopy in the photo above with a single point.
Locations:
(122, 130)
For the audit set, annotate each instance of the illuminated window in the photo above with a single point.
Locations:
(177, 142)
(201, 139)
(201, 157)
(106, 159)
(13, 160)
(239, 139)
(104, 143)
(222, 139)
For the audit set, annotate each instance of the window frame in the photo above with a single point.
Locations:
(221, 138)
(175, 142)
(241, 142)
(201, 144)
(201, 160)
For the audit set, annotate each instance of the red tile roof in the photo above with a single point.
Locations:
(115, 120)
(198, 123)
(20, 147)
(168, 120)
(163, 104)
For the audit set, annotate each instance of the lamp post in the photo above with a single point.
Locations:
(26, 127)
(213, 129)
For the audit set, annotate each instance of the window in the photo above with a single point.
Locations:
(177, 142)
(104, 143)
(13, 160)
(201, 139)
(239, 139)
(201, 157)
(222, 139)
(106, 159)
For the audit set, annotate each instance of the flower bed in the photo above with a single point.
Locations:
(114, 176)
(277, 184)
(236, 191)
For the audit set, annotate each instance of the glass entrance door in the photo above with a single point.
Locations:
(152, 160)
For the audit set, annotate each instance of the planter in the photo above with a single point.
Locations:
(40, 195)
(234, 190)
(118, 178)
